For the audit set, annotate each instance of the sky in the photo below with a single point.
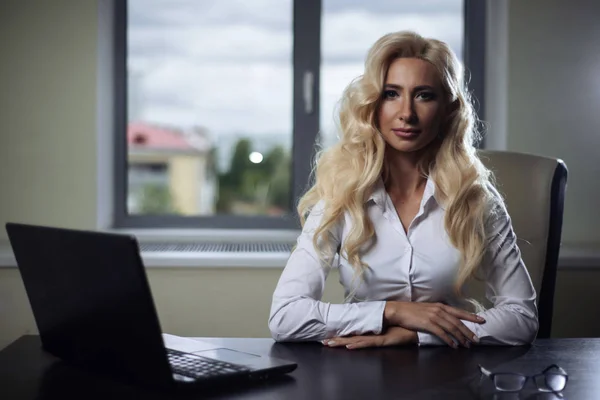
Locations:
(227, 64)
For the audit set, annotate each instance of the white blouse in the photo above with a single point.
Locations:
(418, 265)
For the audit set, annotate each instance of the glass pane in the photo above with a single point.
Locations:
(209, 106)
(509, 382)
(350, 27)
(551, 382)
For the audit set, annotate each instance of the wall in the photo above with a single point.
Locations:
(48, 158)
(235, 302)
(207, 302)
(48, 113)
(553, 99)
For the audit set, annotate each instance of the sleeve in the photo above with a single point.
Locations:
(513, 319)
(297, 312)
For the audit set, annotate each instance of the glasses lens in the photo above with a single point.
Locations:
(509, 382)
(555, 382)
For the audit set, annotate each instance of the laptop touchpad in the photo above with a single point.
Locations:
(230, 356)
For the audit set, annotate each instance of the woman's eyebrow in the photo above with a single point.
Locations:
(416, 88)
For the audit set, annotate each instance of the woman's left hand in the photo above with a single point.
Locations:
(393, 336)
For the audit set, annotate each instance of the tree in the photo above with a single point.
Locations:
(262, 185)
(212, 169)
(274, 160)
(156, 199)
(279, 193)
(239, 163)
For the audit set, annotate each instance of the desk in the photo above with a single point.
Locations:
(26, 372)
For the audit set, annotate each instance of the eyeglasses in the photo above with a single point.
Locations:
(552, 379)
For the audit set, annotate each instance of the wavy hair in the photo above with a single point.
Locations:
(346, 173)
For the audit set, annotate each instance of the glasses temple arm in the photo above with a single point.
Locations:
(484, 371)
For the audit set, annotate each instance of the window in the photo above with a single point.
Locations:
(218, 103)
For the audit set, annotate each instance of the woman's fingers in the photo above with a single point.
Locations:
(352, 342)
(456, 328)
(362, 344)
(340, 341)
(463, 331)
(336, 341)
(462, 314)
(441, 333)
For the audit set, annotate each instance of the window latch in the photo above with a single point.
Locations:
(308, 85)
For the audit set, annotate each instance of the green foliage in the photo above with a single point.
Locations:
(279, 195)
(211, 163)
(156, 199)
(262, 186)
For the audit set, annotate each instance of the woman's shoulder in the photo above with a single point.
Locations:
(495, 207)
(494, 195)
(322, 210)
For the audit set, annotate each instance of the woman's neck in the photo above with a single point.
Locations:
(404, 177)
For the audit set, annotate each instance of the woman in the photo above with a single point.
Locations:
(409, 208)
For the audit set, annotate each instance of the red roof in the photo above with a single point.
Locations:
(147, 136)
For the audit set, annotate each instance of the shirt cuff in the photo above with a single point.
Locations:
(429, 339)
(356, 318)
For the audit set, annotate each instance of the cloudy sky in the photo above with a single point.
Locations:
(226, 64)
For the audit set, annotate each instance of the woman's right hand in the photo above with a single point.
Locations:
(436, 318)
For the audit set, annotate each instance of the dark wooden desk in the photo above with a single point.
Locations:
(26, 372)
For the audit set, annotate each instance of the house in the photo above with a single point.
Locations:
(169, 170)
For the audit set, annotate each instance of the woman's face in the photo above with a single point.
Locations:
(412, 106)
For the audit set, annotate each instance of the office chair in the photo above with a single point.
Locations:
(533, 188)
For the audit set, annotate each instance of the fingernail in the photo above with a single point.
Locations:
(331, 343)
(480, 319)
(349, 346)
(324, 342)
(475, 339)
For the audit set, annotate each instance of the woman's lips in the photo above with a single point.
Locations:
(406, 133)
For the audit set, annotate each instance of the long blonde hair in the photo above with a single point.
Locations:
(346, 173)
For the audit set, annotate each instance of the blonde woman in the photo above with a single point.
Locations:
(406, 211)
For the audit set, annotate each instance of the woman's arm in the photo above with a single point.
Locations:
(513, 319)
(297, 312)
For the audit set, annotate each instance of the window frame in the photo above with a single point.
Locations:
(306, 60)
(474, 43)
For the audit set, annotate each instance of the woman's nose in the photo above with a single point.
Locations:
(406, 112)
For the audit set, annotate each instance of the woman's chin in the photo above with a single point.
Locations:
(408, 146)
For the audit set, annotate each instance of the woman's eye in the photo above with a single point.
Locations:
(426, 95)
(390, 94)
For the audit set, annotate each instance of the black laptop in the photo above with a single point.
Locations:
(93, 308)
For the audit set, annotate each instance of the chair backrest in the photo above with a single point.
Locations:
(533, 188)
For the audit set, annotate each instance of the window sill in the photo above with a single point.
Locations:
(175, 259)
(571, 257)
(188, 260)
(210, 235)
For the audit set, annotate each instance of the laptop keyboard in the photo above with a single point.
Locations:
(194, 366)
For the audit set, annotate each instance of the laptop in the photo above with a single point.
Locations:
(93, 307)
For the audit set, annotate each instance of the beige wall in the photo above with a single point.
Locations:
(48, 112)
(48, 169)
(554, 99)
(235, 302)
(226, 302)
